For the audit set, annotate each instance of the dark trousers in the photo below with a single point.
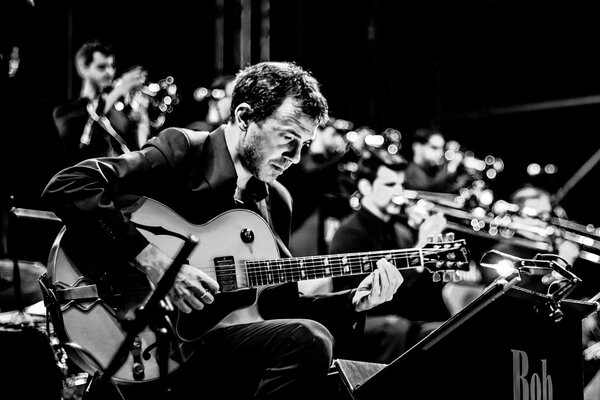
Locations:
(386, 337)
(275, 359)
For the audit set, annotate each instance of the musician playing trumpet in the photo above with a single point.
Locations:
(110, 117)
(429, 170)
(533, 205)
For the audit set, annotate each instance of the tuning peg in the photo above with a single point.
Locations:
(429, 238)
(440, 238)
(449, 237)
(457, 276)
(436, 276)
(447, 276)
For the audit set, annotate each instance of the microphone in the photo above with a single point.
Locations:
(522, 262)
(539, 267)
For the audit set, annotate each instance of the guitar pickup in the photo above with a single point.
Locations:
(226, 274)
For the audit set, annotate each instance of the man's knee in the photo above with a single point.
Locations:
(315, 339)
(395, 325)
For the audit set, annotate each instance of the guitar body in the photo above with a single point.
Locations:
(95, 324)
(220, 254)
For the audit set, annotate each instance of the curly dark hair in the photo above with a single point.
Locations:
(422, 135)
(266, 85)
(87, 50)
(371, 160)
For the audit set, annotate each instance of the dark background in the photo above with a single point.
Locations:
(467, 67)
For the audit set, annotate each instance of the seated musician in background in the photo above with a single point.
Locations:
(428, 170)
(417, 308)
(534, 207)
(218, 103)
(529, 207)
(275, 109)
(81, 126)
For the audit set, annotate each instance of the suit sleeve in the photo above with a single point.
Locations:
(94, 196)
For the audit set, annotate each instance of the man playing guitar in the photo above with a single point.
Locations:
(285, 354)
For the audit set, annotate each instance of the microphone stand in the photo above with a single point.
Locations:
(151, 314)
(18, 293)
(537, 266)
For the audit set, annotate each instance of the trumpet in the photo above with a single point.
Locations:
(505, 226)
(487, 168)
(160, 97)
(586, 236)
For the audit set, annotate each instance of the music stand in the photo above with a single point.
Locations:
(502, 343)
(152, 314)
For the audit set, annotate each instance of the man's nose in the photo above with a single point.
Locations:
(294, 154)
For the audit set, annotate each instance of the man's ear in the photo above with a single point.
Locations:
(364, 187)
(80, 67)
(243, 115)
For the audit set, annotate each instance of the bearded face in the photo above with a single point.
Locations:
(269, 148)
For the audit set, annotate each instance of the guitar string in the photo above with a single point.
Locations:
(314, 263)
(317, 262)
(289, 267)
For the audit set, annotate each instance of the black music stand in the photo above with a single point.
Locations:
(152, 314)
(502, 343)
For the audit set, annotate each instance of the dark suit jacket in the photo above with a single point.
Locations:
(418, 298)
(192, 173)
(70, 120)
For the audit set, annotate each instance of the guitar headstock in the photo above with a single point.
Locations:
(446, 257)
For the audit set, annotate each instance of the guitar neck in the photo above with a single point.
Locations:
(273, 271)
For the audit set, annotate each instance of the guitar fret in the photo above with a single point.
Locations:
(309, 268)
(402, 261)
(278, 272)
(326, 267)
(269, 272)
(285, 269)
(357, 265)
(366, 265)
(251, 271)
(301, 269)
(318, 267)
(257, 277)
(262, 274)
(336, 265)
(294, 272)
(390, 258)
(345, 264)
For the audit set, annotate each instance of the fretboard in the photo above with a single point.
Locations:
(282, 270)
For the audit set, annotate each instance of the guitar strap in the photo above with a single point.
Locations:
(265, 204)
(104, 123)
(263, 208)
